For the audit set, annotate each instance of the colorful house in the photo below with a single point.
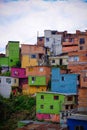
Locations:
(12, 52)
(31, 55)
(3, 61)
(20, 73)
(50, 104)
(38, 79)
(77, 122)
(6, 84)
(60, 60)
(63, 83)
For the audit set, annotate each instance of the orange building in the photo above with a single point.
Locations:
(77, 61)
(82, 40)
(31, 55)
(82, 99)
(34, 72)
(69, 43)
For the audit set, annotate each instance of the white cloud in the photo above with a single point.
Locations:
(21, 20)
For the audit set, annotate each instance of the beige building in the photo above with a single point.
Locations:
(59, 60)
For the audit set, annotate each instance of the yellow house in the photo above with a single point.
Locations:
(31, 55)
(28, 61)
(28, 90)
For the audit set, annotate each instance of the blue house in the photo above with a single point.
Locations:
(77, 122)
(63, 83)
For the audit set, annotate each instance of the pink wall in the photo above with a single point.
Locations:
(48, 117)
(18, 72)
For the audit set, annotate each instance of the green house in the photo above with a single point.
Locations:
(3, 61)
(12, 51)
(37, 80)
(49, 102)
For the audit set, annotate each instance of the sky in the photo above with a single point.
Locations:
(24, 20)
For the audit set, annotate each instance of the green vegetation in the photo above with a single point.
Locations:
(15, 109)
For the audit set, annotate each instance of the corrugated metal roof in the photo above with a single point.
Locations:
(78, 117)
(49, 92)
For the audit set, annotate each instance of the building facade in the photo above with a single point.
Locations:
(13, 53)
(51, 111)
(31, 55)
(6, 84)
(63, 83)
(53, 41)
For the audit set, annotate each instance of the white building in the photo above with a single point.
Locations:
(6, 84)
(53, 40)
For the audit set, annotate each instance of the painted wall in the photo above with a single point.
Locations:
(46, 103)
(48, 117)
(72, 123)
(56, 60)
(3, 61)
(15, 82)
(36, 80)
(18, 72)
(39, 71)
(63, 83)
(30, 55)
(26, 90)
(12, 51)
(28, 61)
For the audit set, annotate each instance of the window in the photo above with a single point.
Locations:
(61, 61)
(41, 106)
(82, 41)
(33, 78)
(41, 69)
(47, 39)
(11, 60)
(71, 58)
(53, 61)
(66, 107)
(79, 128)
(85, 79)
(33, 56)
(8, 80)
(51, 106)
(81, 47)
(62, 78)
(76, 58)
(70, 98)
(42, 96)
(56, 97)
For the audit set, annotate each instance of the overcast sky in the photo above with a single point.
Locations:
(22, 20)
